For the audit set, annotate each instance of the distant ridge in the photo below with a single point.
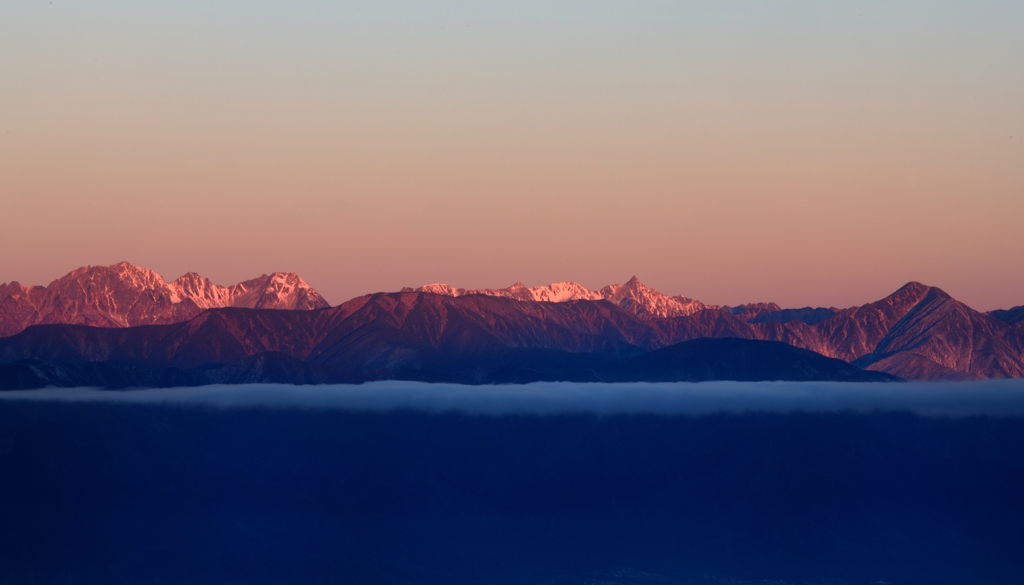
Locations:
(437, 331)
(918, 332)
(1011, 316)
(633, 296)
(125, 295)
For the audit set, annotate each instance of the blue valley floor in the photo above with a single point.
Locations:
(135, 493)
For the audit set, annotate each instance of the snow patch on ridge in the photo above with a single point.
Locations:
(125, 295)
(632, 296)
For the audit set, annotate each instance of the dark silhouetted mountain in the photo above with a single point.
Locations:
(1009, 316)
(698, 360)
(806, 314)
(751, 310)
(266, 367)
(403, 335)
(124, 295)
(422, 336)
(475, 339)
(706, 359)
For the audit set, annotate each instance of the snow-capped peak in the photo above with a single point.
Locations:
(632, 296)
(125, 295)
(642, 300)
(560, 292)
(557, 292)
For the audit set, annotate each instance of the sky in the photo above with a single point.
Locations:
(808, 153)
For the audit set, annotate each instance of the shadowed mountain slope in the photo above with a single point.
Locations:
(382, 331)
(952, 336)
(698, 360)
(918, 332)
(708, 359)
(809, 315)
(1009, 316)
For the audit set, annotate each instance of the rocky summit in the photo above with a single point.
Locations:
(124, 295)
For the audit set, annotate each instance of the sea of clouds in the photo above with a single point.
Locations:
(990, 397)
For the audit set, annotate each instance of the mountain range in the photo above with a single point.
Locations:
(124, 295)
(633, 296)
(918, 332)
(277, 328)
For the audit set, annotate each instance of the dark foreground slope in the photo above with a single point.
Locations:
(918, 332)
(706, 359)
(119, 494)
(690, 361)
(32, 374)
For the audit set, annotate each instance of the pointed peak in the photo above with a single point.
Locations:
(438, 288)
(921, 291)
(906, 297)
(913, 290)
(125, 267)
(1010, 316)
(286, 277)
(914, 286)
(120, 274)
(126, 295)
(189, 277)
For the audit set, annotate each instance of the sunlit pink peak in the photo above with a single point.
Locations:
(640, 299)
(438, 289)
(125, 295)
(632, 296)
(560, 292)
(280, 290)
(199, 290)
(122, 274)
(556, 292)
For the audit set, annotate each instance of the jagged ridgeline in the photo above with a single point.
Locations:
(278, 328)
(124, 295)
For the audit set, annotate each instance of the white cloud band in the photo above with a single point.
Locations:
(991, 397)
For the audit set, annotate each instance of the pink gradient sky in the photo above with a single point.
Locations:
(798, 153)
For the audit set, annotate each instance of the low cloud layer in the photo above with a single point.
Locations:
(992, 397)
